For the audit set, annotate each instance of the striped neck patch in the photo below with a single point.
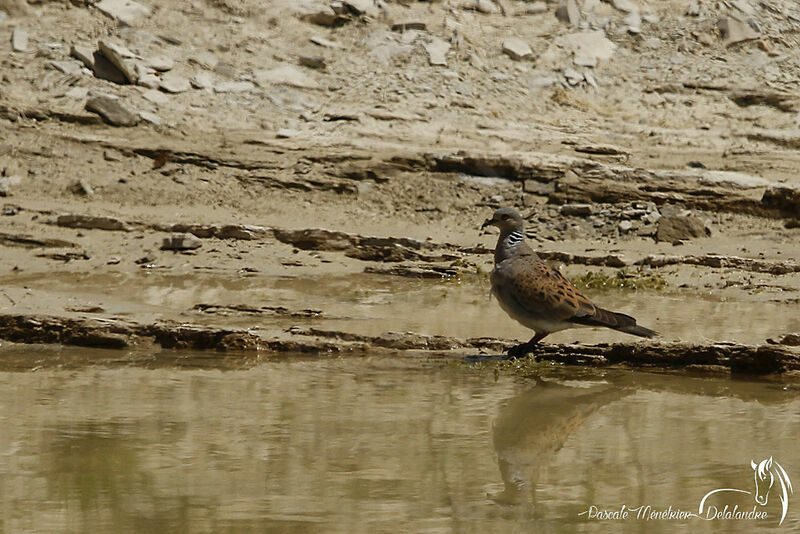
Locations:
(515, 238)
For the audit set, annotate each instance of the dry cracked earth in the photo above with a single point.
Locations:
(311, 176)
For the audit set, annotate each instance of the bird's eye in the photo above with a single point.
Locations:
(505, 217)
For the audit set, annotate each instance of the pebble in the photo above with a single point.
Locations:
(202, 80)
(577, 210)
(486, 7)
(82, 187)
(285, 74)
(625, 226)
(325, 43)
(172, 82)
(735, 31)
(517, 49)
(19, 40)
(156, 97)
(286, 133)
(111, 110)
(181, 242)
(234, 87)
(437, 51)
(84, 54)
(150, 118)
(568, 12)
(160, 63)
(312, 62)
(67, 67)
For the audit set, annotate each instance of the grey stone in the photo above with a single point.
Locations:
(234, 87)
(19, 40)
(111, 111)
(517, 49)
(172, 82)
(286, 133)
(160, 63)
(486, 6)
(285, 74)
(437, 51)
(67, 67)
(313, 62)
(735, 31)
(156, 97)
(578, 210)
(119, 56)
(535, 8)
(127, 12)
(82, 187)
(84, 54)
(625, 226)
(150, 118)
(325, 43)
(362, 7)
(181, 242)
(202, 80)
(105, 70)
(680, 228)
(568, 12)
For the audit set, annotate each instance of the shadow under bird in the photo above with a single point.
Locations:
(537, 295)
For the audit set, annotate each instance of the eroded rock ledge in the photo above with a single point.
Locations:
(774, 358)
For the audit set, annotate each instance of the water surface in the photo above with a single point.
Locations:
(182, 442)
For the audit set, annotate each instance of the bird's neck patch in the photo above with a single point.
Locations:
(515, 238)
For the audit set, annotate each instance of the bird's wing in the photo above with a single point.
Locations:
(542, 290)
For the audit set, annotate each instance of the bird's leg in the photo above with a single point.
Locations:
(523, 348)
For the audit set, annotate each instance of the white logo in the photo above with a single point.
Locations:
(765, 473)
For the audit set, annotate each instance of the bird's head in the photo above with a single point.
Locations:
(506, 219)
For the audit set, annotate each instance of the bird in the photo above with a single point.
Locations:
(538, 296)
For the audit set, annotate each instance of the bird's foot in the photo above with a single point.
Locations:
(520, 351)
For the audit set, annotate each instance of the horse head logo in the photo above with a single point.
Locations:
(765, 473)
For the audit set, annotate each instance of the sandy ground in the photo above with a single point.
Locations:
(381, 143)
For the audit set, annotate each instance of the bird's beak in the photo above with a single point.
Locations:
(487, 222)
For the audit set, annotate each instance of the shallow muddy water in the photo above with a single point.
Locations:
(97, 441)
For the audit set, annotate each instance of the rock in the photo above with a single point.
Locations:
(105, 70)
(202, 80)
(591, 44)
(234, 87)
(573, 76)
(693, 9)
(84, 54)
(674, 228)
(82, 187)
(160, 63)
(172, 82)
(409, 25)
(156, 97)
(92, 222)
(19, 40)
(6, 182)
(568, 12)
(625, 226)
(285, 74)
(517, 49)
(149, 80)
(150, 118)
(577, 210)
(181, 242)
(67, 67)
(437, 51)
(362, 7)
(585, 61)
(78, 93)
(127, 12)
(735, 31)
(535, 8)
(783, 198)
(111, 111)
(119, 56)
(286, 133)
(486, 6)
(325, 43)
(634, 22)
(312, 62)
(626, 6)
(325, 16)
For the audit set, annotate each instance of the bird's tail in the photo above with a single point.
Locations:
(616, 321)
